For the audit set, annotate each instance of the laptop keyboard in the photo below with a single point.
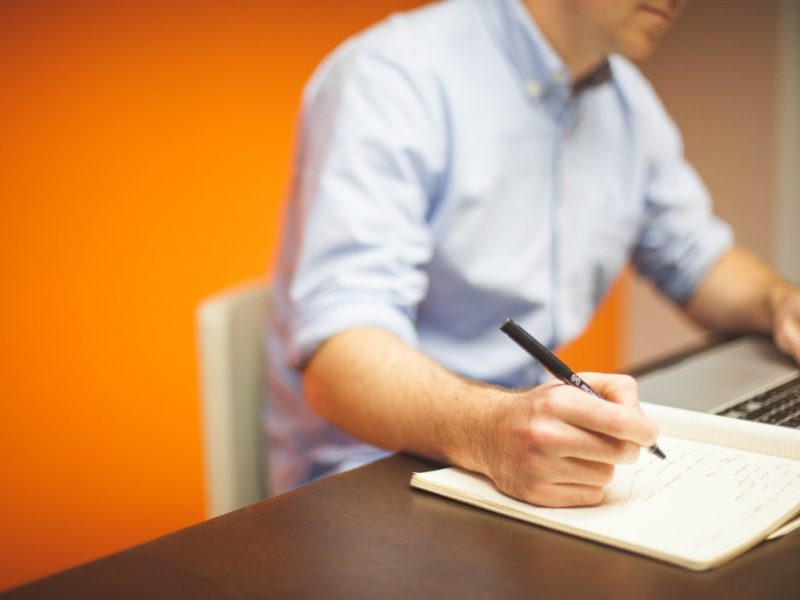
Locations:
(778, 406)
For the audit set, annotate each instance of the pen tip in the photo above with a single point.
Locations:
(658, 451)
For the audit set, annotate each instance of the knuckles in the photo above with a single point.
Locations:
(619, 422)
(624, 452)
(629, 454)
(624, 383)
(623, 390)
(542, 438)
(551, 496)
(547, 405)
(605, 473)
(594, 496)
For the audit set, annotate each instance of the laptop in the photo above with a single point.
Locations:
(746, 378)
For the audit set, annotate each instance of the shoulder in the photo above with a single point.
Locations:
(420, 43)
(396, 74)
(422, 35)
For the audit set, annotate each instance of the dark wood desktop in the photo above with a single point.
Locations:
(367, 534)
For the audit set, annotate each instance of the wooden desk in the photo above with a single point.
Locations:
(367, 534)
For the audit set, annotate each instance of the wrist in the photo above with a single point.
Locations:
(480, 426)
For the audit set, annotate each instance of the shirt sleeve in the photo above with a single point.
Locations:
(681, 238)
(367, 171)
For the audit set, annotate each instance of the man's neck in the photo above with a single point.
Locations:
(573, 47)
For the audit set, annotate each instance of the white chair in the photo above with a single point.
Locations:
(230, 329)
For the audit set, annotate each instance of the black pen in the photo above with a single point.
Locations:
(554, 364)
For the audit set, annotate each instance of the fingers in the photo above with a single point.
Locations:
(601, 448)
(582, 472)
(560, 403)
(787, 337)
(554, 435)
(558, 483)
(619, 389)
(786, 323)
(562, 495)
(555, 445)
(568, 482)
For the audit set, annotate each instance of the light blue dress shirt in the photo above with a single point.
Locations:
(447, 178)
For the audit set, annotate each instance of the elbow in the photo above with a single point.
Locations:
(315, 390)
(314, 396)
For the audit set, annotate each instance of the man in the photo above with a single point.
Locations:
(468, 162)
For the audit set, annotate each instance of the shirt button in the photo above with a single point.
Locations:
(560, 76)
(533, 88)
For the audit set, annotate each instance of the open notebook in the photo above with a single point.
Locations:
(726, 486)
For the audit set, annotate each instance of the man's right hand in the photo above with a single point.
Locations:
(555, 445)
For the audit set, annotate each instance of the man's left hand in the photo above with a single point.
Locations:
(786, 320)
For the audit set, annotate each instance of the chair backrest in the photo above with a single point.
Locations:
(230, 328)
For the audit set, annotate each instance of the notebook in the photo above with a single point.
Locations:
(727, 484)
(747, 378)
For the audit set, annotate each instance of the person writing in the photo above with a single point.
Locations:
(469, 162)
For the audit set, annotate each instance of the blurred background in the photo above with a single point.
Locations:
(144, 153)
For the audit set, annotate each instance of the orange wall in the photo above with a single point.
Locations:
(144, 149)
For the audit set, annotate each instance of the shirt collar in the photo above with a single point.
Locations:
(541, 69)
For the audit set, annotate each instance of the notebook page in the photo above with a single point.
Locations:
(699, 507)
(785, 530)
(724, 431)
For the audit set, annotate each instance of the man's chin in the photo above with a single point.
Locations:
(640, 48)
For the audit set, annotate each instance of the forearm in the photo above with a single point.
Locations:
(552, 445)
(739, 294)
(380, 390)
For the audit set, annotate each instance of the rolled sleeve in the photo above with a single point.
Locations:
(322, 325)
(681, 238)
(367, 174)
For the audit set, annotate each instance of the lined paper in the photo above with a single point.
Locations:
(703, 505)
